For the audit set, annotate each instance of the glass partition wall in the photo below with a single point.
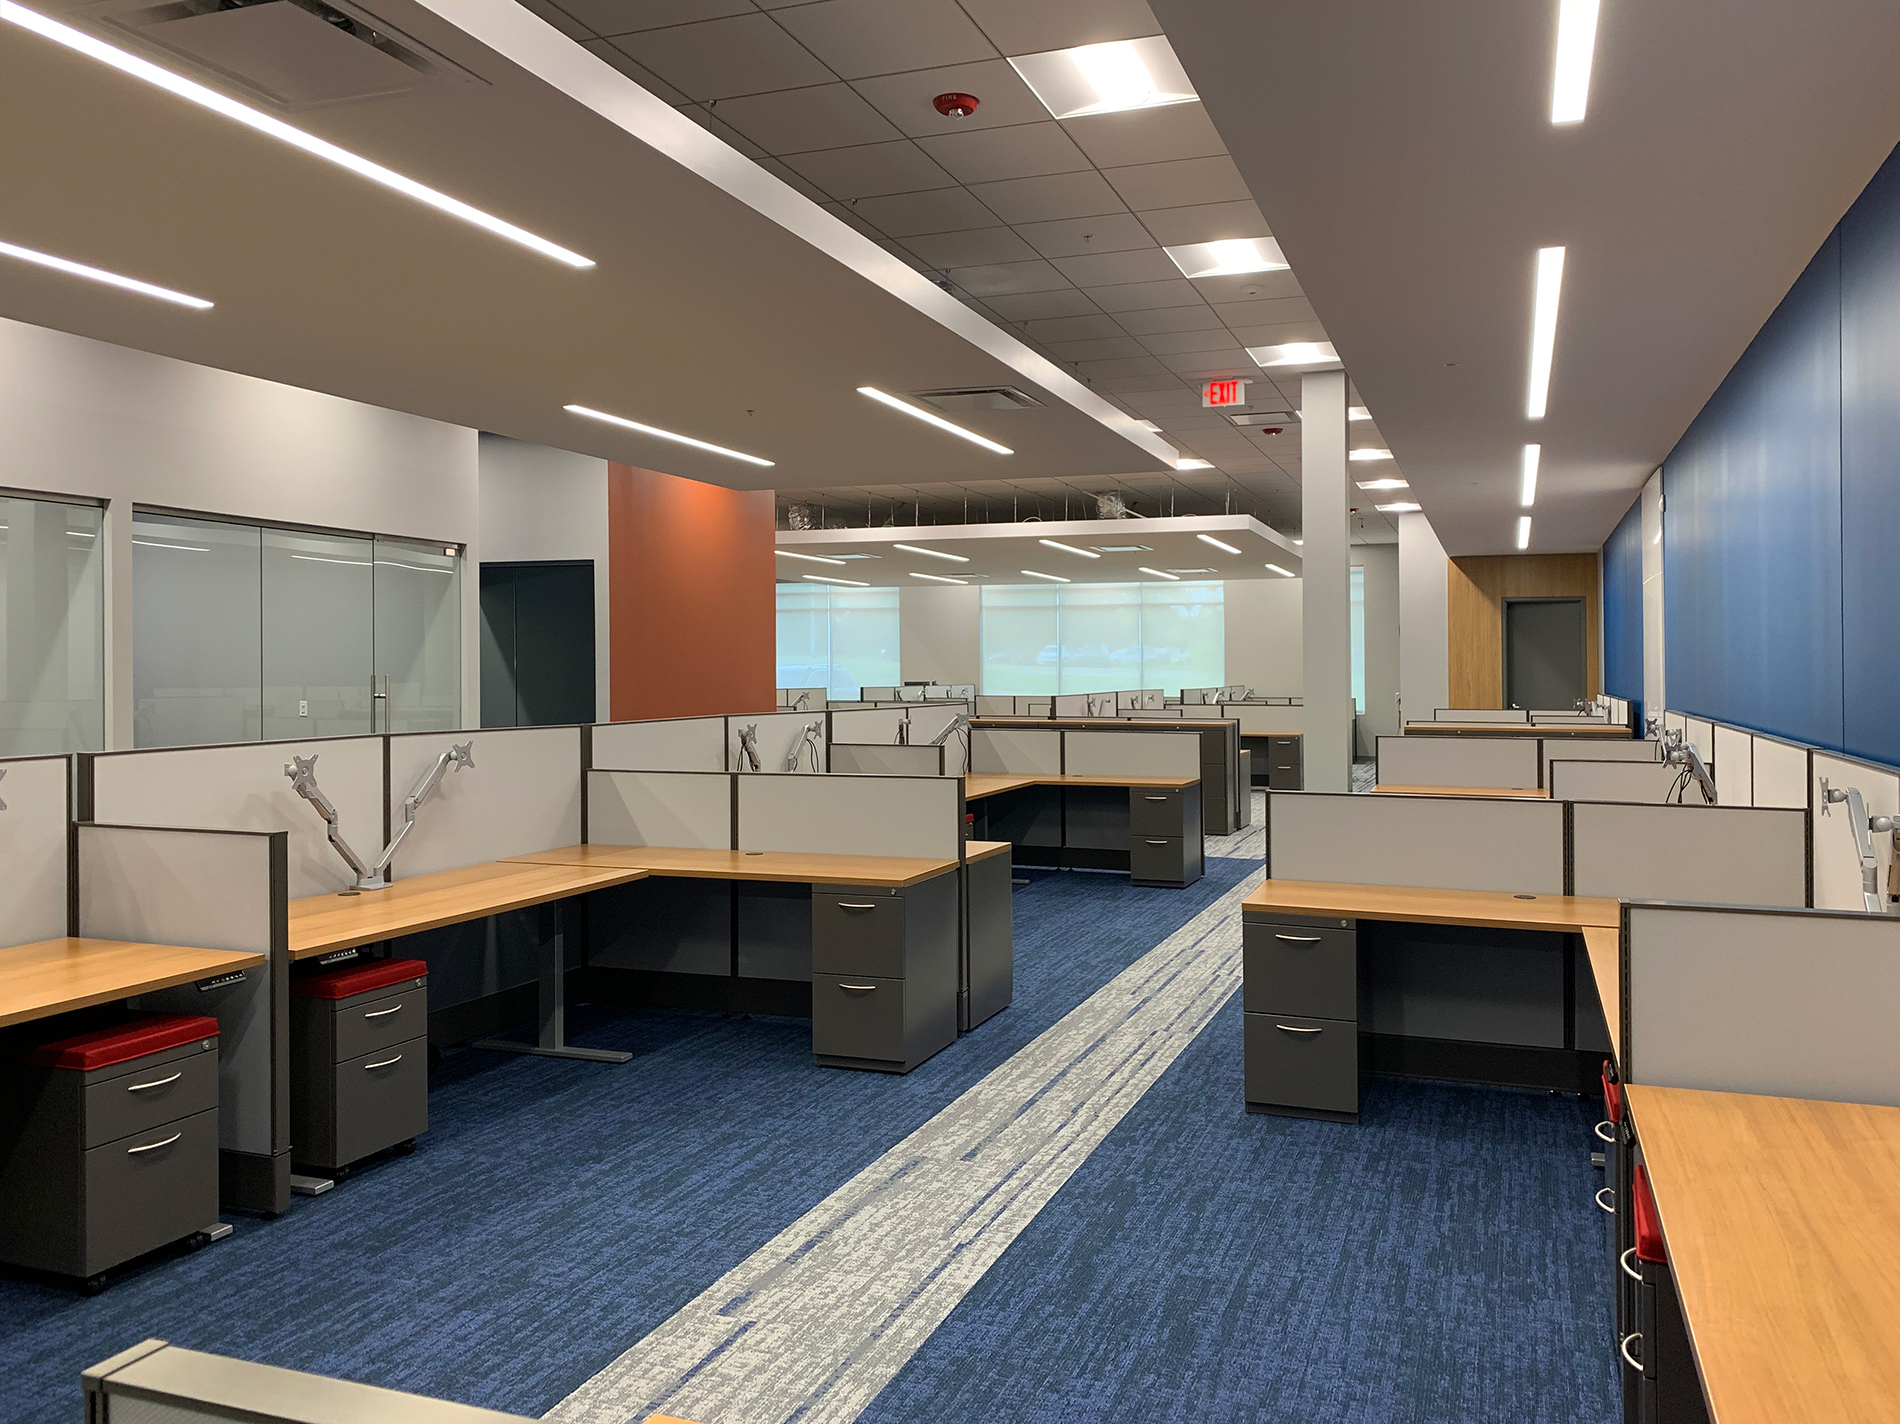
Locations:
(242, 632)
(52, 627)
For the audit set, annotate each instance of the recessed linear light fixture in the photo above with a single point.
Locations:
(1550, 286)
(936, 578)
(99, 274)
(1160, 573)
(1527, 482)
(1053, 578)
(1298, 542)
(1123, 548)
(810, 558)
(1283, 573)
(1069, 548)
(1210, 539)
(1369, 452)
(1190, 571)
(1576, 52)
(937, 420)
(1230, 257)
(1523, 531)
(934, 553)
(1149, 425)
(655, 430)
(1358, 412)
(1382, 484)
(1193, 464)
(1106, 78)
(821, 578)
(1295, 353)
(131, 64)
(1402, 507)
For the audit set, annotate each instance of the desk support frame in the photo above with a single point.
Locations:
(551, 1035)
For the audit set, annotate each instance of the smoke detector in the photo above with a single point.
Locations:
(955, 106)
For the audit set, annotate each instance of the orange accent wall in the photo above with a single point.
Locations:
(693, 616)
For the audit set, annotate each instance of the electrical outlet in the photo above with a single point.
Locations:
(303, 709)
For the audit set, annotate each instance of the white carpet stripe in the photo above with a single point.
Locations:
(817, 1321)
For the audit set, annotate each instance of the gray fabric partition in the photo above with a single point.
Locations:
(1442, 842)
(33, 830)
(1505, 763)
(1719, 855)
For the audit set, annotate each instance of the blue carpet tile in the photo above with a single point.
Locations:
(1441, 1261)
(556, 1212)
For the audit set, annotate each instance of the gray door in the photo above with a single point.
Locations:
(537, 643)
(1543, 652)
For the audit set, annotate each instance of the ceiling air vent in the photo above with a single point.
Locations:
(292, 54)
(1268, 417)
(979, 398)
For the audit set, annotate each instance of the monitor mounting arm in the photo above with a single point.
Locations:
(807, 736)
(1863, 827)
(749, 746)
(302, 772)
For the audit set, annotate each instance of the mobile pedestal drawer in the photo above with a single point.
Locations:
(109, 1144)
(1164, 835)
(1300, 1025)
(884, 973)
(359, 1050)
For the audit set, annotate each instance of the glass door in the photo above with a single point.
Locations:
(52, 629)
(418, 622)
(197, 620)
(319, 652)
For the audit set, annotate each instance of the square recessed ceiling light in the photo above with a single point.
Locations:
(1264, 417)
(1121, 548)
(1371, 452)
(1403, 507)
(1382, 484)
(1230, 257)
(1106, 78)
(1295, 353)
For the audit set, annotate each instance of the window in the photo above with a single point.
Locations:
(243, 633)
(840, 639)
(52, 628)
(1359, 639)
(1039, 641)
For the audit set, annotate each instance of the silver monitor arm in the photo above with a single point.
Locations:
(800, 702)
(1101, 706)
(807, 736)
(1863, 827)
(302, 772)
(1682, 753)
(749, 746)
(455, 758)
(903, 729)
(3, 773)
(959, 723)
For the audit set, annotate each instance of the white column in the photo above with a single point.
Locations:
(1326, 609)
(1424, 634)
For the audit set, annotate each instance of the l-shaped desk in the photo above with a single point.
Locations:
(1086, 822)
(60, 976)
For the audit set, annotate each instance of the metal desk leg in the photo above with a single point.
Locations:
(552, 1041)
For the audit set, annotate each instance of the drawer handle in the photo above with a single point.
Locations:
(1299, 939)
(1629, 1270)
(1159, 842)
(858, 988)
(382, 1013)
(1289, 1028)
(1611, 1209)
(155, 1083)
(1154, 798)
(1623, 1348)
(386, 1063)
(1610, 1136)
(848, 905)
(154, 1146)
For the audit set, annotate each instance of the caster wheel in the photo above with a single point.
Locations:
(92, 1285)
(405, 1149)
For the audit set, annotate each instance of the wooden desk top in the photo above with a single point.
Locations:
(974, 851)
(1484, 909)
(320, 924)
(1516, 729)
(1509, 791)
(1782, 1218)
(1604, 946)
(682, 862)
(978, 784)
(56, 976)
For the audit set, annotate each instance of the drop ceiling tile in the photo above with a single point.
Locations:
(1149, 323)
(940, 210)
(1019, 151)
(859, 38)
(1146, 135)
(1048, 199)
(619, 17)
(1032, 26)
(978, 248)
(719, 59)
(871, 170)
(1263, 310)
(1264, 286)
(1179, 184)
(1102, 350)
(1103, 269)
(1007, 278)
(1211, 364)
(558, 17)
(797, 120)
(1127, 386)
(1142, 296)
(1076, 237)
(1208, 222)
(720, 129)
(638, 73)
(1175, 343)
(1128, 366)
(1033, 306)
(1074, 328)
(1279, 334)
(1002, 97)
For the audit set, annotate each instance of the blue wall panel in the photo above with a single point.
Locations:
(1752, 528)
(1623, 608)
(1870, 468)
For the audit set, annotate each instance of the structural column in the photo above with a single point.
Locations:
(1326, 619)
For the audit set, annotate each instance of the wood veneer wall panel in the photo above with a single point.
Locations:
(1475, 590)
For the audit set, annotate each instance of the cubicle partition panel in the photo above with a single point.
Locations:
(1133, 752)
(1652, 782)
(1440, 842)
(1781, 1003)
(853, 815)
(1195, 711)
(522, 794)
(1146, 699)
(1779, 772)
(1266, 719)
(802, 699)
(783, 743)
(1717, 855)
(1837, 864)
(1596, 749)
(213, 890)
(877, 759)
(671, 744)
(34, 830)
(988, 706)
(1504, 763)
(1733, 766)
(660, 808)
(1024, 751)
(242, 787)
(1477, 715)
(866, 726)
(1567, 717)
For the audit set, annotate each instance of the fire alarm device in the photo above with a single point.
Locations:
(955, 106)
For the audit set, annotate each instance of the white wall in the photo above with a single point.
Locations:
(83, 417)
(940, 634)
(539, 504)
(1381, 718)
(1264, 637)
(1424, 662)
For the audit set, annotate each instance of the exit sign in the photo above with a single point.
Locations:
(1218, 393)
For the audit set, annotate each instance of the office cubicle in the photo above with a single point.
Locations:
(33, 847)
(1498, 763)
